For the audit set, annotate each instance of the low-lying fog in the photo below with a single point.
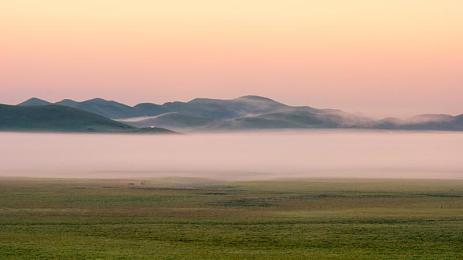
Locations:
(262, 155)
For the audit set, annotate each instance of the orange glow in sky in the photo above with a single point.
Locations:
(395, 57)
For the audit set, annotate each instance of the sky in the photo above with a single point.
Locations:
(375, 57)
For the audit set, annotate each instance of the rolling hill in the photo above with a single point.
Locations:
(34, 102)
(109, 109)
(246, 113)
(55, 118)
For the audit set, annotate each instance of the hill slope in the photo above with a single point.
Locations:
(56, 118)
(106, 108)
(34, 102)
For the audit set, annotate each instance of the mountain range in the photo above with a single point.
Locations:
(243, 113)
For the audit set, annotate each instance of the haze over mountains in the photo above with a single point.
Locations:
(244, 113)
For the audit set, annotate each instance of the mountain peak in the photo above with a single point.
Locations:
(203, 100)
(67, 102)
(34, 102)
(96, 100)
(255, 98)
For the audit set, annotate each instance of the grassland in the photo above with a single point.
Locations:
(201, 219)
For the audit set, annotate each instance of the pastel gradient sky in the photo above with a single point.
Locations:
(391, 57)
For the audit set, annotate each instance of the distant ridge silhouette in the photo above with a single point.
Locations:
(249, 112)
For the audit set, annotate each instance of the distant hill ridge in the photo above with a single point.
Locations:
(34, 117)
(245, 113)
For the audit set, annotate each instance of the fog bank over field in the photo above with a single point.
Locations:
(257, 155)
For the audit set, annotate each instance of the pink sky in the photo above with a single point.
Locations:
(376, 57)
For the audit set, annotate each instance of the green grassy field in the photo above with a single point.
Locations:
(201, 219)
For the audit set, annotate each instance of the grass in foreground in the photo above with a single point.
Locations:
(200, 219)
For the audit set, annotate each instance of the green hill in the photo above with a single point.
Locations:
(56, 118)
(34, 102)
(106, 108)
